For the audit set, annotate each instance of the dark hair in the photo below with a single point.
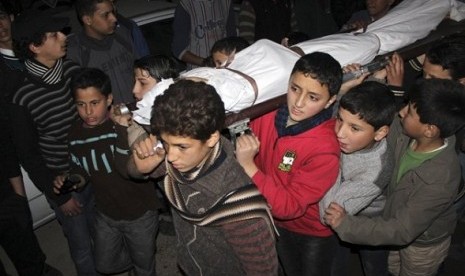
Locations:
(86, 7)
(188, 108)
(90, 77)
(208, 62)
(439, 102)
(21, 46)
(159, 66)
(372, 101)
(296, 37)
(11, 7)
(322, 67)
(449, 53)
(229, 44)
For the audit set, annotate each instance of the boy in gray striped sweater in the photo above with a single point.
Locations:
(223, 224)
(363, 119)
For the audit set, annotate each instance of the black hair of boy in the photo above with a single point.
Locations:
(372, 101)
(21, 45)
(449, 53)
(322, 67)
(296, 37)
(208, 62)
(190, 109)
(90, 77)
(230, 44)
(159, 66)
(439, 102)
(86, 7)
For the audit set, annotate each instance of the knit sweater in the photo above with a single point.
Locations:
(361, 182)
(41, 117)
(101, 153)
(245, 247)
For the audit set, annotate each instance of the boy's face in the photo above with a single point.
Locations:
(102, 22)
(143, 82)
(5, 30)
(435, 71)
(306, 97)
(355, 134)
(92, 106)
(222, 59)
(185, 153)
(52, 49)
(378, 8)
(410, 120)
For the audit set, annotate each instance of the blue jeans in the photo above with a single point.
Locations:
(77, 230)
(124, 244)
(302, 255)
(373, 259)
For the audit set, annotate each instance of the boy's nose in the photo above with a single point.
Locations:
(300, 101)
(340, 132)
(171, 156)
(112, 17)
(88, 110)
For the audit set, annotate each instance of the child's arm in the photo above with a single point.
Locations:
(254, 246)
(410, 219)
(365, 180)
(353, 195)
(146, 158)
(302, 188)
(334, 214)
(246, 148)
(121, 152)
(395, 71)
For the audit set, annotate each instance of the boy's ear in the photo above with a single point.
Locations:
(381, 133)
(86, 20)
(109, 99)
(331, 101)
(33, 48)
(431, 131)
(214, 138)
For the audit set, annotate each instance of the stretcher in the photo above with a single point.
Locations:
(235, 121)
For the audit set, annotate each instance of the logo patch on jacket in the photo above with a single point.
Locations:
(286, 163)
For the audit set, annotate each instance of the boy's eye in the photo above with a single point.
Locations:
(293, 89)
(355, 128)
(79, 104)
(312, 98)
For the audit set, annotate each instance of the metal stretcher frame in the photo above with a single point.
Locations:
(445, 28)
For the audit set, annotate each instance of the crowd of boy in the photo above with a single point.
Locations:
(303, 188)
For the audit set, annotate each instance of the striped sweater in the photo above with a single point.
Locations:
(42, 116)
(245, 247)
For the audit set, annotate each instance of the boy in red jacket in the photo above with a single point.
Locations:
(293, 159)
